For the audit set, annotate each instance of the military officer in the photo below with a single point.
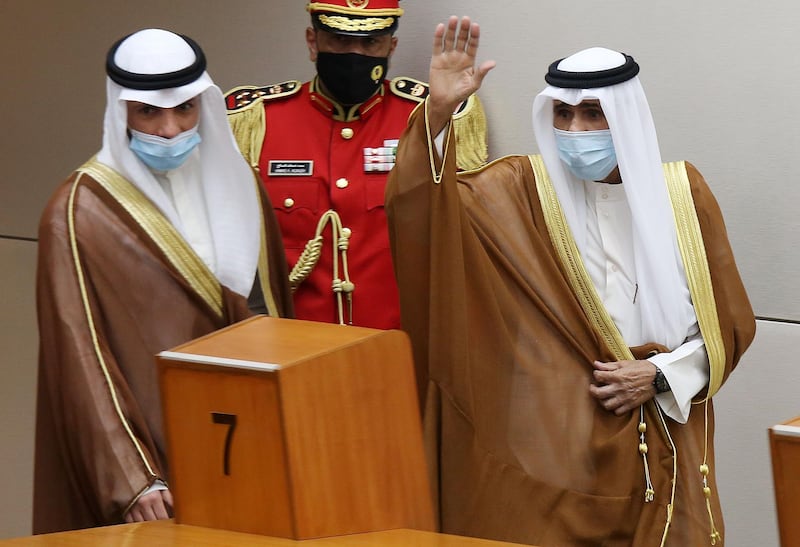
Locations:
(324, 149)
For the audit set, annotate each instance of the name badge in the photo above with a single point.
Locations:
(291, 168)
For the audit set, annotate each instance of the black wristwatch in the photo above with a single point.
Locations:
(660, 382)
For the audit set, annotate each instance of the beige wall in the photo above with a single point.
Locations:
(721, 76)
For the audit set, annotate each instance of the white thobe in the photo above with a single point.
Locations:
(610, 262)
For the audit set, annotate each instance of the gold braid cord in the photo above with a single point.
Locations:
(342, 288)
(346, 24)
(584, 290)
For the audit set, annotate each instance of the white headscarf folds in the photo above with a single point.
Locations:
(611, 77)
(163, 69)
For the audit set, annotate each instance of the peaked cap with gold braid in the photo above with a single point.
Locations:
(356, 17)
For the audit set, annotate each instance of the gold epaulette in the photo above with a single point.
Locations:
(246, 96)
(469, 119)
(247, 122)
(409, 88)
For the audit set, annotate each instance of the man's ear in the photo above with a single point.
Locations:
(394, 46)
(311, 42)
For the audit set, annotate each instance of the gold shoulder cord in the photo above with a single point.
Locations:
(695, 262)
(73, 241)
(307, 261)
(162, 232)
(590, 302)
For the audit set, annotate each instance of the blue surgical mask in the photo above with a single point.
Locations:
(164, 154)
(589, 155)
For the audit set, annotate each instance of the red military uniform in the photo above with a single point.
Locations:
(315, 157)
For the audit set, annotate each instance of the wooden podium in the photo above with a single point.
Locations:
(784, 444)
(295, 429)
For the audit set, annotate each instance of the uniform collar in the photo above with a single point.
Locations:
(338, 112)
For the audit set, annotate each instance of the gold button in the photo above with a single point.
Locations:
(342, 183)
(288, 202)
(347, 133)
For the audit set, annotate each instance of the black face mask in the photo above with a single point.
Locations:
(351, 78)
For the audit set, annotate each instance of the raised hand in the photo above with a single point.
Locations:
(454, 75)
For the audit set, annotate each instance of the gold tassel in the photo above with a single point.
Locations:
(649, 492)
(342, 288)
(306, 262)
(472, 150)
(715, 536)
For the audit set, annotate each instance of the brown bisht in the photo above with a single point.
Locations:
(117, 284)
(519, 451)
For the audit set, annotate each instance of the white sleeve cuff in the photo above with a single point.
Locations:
(686, 370)
(157, 485)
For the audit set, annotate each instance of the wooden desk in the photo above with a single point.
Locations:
(784, 442)
(166, 533)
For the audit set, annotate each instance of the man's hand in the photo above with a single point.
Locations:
(153, 506)
(621, 386)
(453, 74)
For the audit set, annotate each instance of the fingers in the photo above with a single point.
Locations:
(483, 70)
(599, 365)
(438, 35)
(152, 506)
(465, 31)
(612, 401)
(471, 36)
(452, 36)
(166, 495)
(447, 33)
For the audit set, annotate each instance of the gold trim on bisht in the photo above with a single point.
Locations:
(591, 303)
(698, 276)
(472, 148)
(87, 308)
(263, 256)
(570, 257)
(161, 231)
(695, 262)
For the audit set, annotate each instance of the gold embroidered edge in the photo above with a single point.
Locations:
(73, 241)
(698, 275)
(409, 88)
(248, 96)
(578, 277)
(161, 231)
(591, 303)
(263, 257)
